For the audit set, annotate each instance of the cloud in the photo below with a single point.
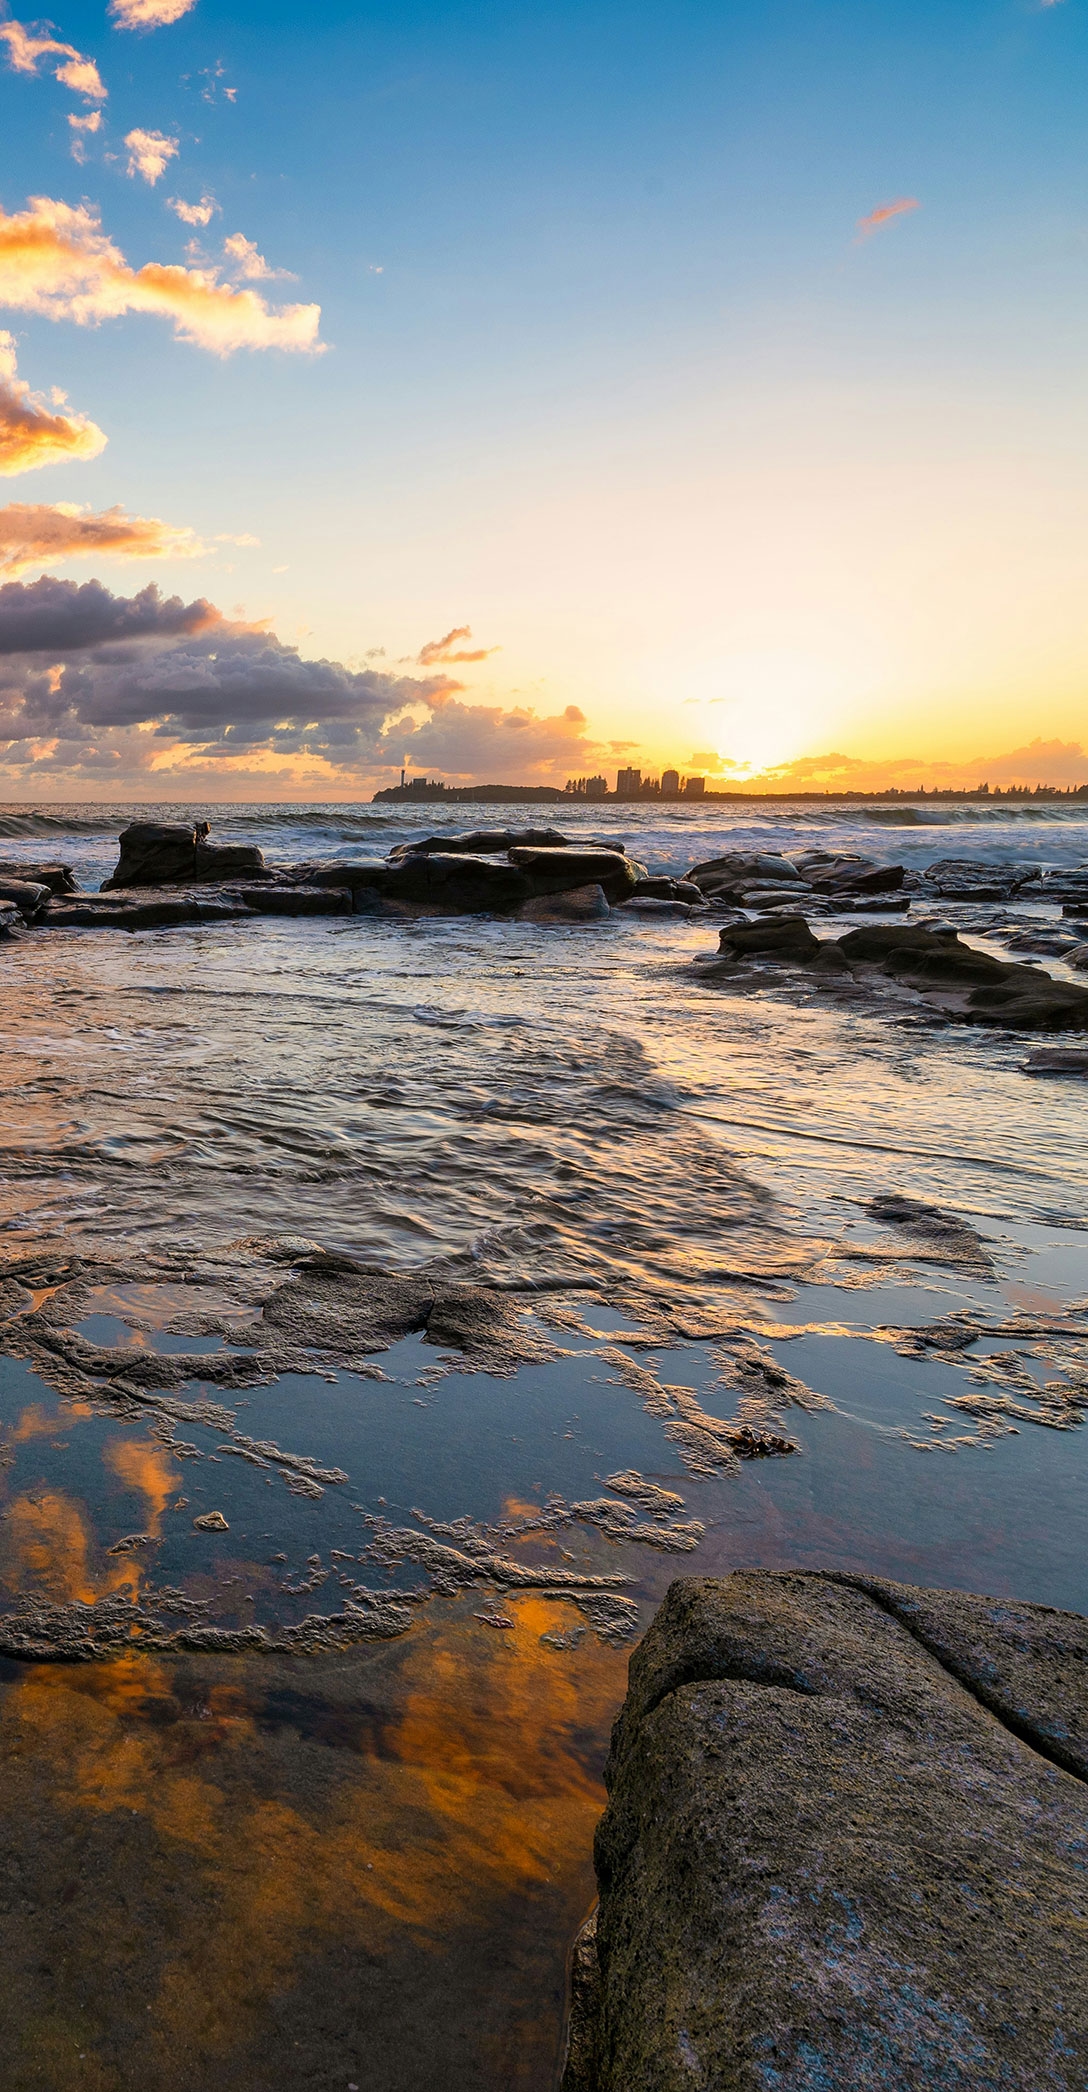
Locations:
(37, 535)
(60, 618)
(82, 127)
(490, 743)
(149, 154)
(200, 213)
(26, 49)
(883, 214)
(149, 14)
(1037, 762)
(55, 260)
(32, 434)
(437, 650)
(247, 261)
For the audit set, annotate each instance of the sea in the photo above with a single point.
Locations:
(365, 1866)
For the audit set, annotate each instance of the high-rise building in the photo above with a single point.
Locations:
(694, 787)
(627, 784)
(670, 784)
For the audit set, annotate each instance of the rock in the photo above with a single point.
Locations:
(211, 1522)
(484, 842)
(858, 877)
(59, 878)
(1077, 957)
(552, 871)
(171, 853)
(976, 879)
(26, 894)
(665, 889)
(93, 911)
(843, 1847)
(650, 905)
(775, 937)
(12, 923)
(581, 904)
(1034, 1002)
(277, 899)
(458, 884)
(1054, 1061)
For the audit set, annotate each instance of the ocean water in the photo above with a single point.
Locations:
(676, 1180)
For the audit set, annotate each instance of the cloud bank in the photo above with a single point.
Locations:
(36, 535)
(98, 688)
(32, 433)
(55, 260)
(1037, 762)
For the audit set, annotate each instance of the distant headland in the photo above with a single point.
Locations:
(633, 788)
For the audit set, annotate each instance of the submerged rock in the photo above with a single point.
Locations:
(843, 1846)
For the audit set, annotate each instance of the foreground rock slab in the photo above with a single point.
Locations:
(846, 1846)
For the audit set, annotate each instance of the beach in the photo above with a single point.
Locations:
(666, 1301)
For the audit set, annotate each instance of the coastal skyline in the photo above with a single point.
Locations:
(519, 397)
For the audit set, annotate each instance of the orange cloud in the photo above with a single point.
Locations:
(25, 51)
(36, 535)
(149, 154)
(30, 433)
(149, 14)
(55, 260)
(883, 213)
(442, 649)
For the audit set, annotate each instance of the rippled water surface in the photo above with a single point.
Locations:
(674, 1182)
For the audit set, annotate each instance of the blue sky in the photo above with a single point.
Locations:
(608, 376)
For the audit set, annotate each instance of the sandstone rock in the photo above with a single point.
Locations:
(59, 878)
(579, 904)
(171, 853)
(777, 937)
(977, 879)
(278, 899)
(117, 911)
(844, 1847)
(554, 870)
(666, 889)
(460, 884)
(211, 1522)
(483, 842)
(1054, 1060)
(12, 923)
(29, 896)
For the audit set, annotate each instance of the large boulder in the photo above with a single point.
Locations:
(578, 904)
(459, 884)
(557, 870)
(977, 879)
(844, 1847)
(172, 853)
(478, 842)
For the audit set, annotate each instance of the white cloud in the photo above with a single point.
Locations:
(82, 128)
(149, 154)
(200, 213)
(149, 14)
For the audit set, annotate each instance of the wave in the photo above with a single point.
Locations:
(957, 816)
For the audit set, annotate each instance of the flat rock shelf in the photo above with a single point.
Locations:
(845, 1846)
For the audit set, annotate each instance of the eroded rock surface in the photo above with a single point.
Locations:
(845, 1846)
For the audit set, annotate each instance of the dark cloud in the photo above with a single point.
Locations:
(64, 617)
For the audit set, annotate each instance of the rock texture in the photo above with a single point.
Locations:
(845, 1847)
(160, 853)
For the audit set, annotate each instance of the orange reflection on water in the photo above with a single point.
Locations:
(145, 1467)
(472, 1796)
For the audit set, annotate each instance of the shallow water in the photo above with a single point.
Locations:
(488, 1102)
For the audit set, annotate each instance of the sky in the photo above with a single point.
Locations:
(517, 391)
